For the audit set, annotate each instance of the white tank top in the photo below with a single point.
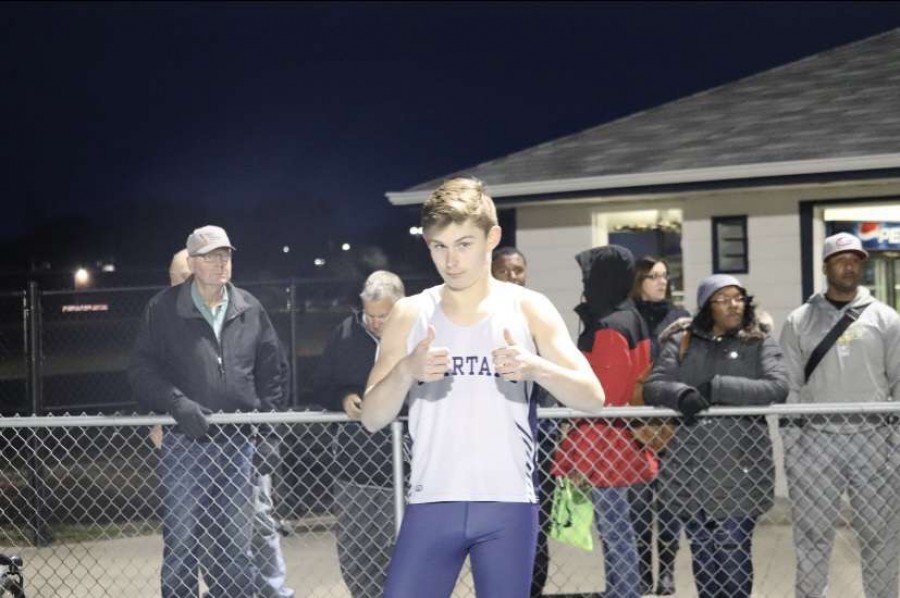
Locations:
(473, 433)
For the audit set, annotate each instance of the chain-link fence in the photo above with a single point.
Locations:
(13, 343)
(67, 351)
(85, 500)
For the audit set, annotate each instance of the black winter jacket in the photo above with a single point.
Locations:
(345, 364)
(722, 465)
(176, 354)
(360, 456)
(658, 315)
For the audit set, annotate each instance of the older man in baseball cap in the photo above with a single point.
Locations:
(205, 346)
(843, 346)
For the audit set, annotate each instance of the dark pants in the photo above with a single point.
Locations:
(721, 549)
(645, 503)
(365, 536)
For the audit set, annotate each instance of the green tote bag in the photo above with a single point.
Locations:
(572, 516)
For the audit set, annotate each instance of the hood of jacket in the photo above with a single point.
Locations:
(863, 297)
(606, 288)
(758, 329)
(608, 283)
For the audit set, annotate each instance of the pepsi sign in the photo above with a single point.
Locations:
(876, 235)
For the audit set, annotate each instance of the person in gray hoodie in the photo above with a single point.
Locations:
(718, 473)
(826, 455)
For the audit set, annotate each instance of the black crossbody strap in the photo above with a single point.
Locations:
(850, 316)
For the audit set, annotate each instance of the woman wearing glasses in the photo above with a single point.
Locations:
(652, 297)
(717, 474)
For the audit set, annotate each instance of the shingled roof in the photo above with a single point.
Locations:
(841, 106)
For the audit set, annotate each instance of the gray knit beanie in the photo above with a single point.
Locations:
(711, 284)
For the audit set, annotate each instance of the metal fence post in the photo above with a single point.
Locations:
(33, 349)
(397, 462)
(40, 530)
(292, 307)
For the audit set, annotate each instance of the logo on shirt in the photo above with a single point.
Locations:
(471, 365)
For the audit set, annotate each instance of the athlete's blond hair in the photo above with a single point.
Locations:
(459, 200)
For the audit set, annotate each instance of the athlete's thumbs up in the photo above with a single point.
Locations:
(425, 343)
(429, 363)
(512, 362)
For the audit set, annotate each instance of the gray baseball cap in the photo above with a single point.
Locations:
(842, 242)
(206, 238)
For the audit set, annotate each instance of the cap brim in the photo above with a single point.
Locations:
(860, 252)
(205, 250)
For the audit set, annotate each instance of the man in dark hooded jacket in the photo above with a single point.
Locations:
(617, 345)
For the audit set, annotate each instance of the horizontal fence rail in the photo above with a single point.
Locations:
(310, 416)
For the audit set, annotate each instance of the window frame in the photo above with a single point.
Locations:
(721, 260)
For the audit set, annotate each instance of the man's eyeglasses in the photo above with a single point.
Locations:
(222, 257)
(739, 300)
(656, 276)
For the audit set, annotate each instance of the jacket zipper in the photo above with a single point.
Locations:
(220, 356)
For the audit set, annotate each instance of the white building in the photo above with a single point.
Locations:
(746, 178)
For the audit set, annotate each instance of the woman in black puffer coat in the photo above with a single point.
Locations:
(718, 474)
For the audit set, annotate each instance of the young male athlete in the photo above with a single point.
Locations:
(465, 354)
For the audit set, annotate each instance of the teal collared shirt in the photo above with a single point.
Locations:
(215, 316)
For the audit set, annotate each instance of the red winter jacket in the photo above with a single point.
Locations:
(617, 345)
(602, 449)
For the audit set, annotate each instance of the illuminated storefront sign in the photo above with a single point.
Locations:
(876, 236)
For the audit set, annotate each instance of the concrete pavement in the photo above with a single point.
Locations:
(129, 567)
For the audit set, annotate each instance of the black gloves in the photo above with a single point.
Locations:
(706, 390)
(267, 458)
(691, 403)
(191, 417)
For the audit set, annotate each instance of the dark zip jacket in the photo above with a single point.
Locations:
(176, 354)
(361, 457)
(658, 315)
(345, 363)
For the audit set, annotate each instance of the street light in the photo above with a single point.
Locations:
(82, 278)
(345, 247)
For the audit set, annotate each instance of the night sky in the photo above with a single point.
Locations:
(289, 122)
